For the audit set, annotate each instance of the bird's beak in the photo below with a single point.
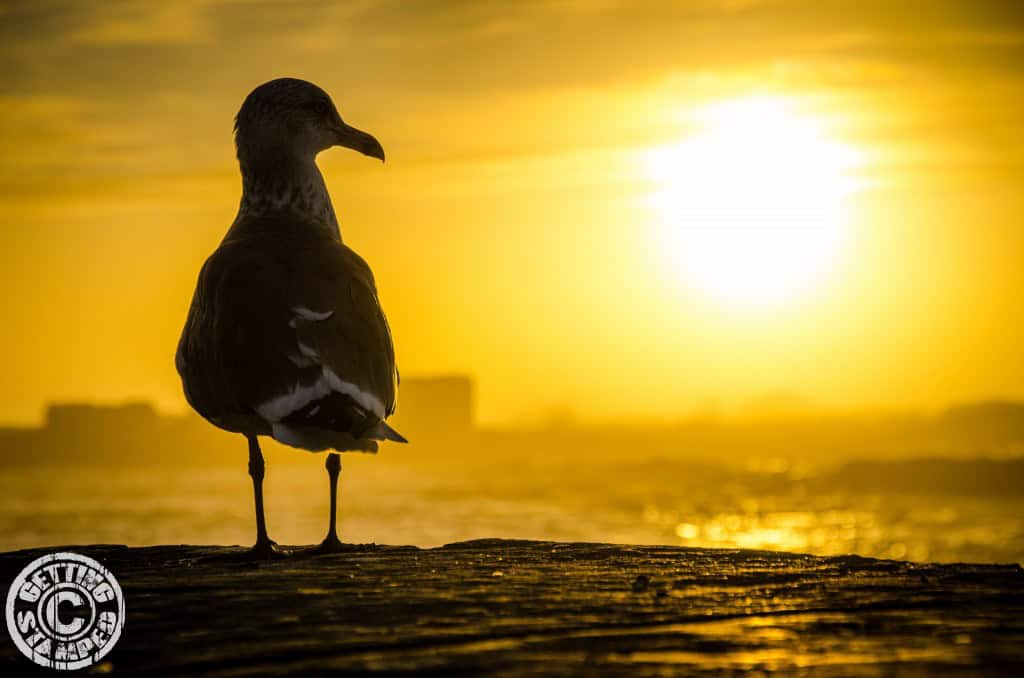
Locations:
(358, 140)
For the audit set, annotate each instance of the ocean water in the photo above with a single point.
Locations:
(428, 505)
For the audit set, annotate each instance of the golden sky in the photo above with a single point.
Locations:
(526, 227)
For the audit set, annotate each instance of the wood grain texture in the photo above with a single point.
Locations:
(513, 607)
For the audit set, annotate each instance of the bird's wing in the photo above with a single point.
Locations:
(230, 354)
(339, 326)
(297, 338)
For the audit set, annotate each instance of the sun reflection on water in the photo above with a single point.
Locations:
(822, 531)
(693, 507)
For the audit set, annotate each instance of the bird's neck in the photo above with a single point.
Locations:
(286, 182)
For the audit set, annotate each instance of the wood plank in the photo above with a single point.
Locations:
(511, 607)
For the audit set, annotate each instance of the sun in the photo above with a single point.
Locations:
(752, 208)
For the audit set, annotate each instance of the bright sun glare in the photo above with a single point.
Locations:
(751, 208)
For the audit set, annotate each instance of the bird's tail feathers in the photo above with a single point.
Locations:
(382, 431)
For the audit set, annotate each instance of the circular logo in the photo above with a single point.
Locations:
(65, 611)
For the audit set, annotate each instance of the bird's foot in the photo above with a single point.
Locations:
(266, 549)
(331, 544)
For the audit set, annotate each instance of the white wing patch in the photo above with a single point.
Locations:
(309, 351)
(308, 314)
(301, 395)
(366, 400)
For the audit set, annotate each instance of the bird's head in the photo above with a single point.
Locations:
(296, 116)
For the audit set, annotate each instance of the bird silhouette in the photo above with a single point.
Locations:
(285, 336)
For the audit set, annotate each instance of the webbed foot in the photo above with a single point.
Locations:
(331, 544)
(266, 550)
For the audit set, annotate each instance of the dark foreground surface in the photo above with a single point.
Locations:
(513, 607)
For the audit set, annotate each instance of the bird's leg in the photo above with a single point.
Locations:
(264, 546)
(331, 543)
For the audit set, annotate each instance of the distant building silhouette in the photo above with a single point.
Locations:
(437, 414)
(87, 419)
(432, 410)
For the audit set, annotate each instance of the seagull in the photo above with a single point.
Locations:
(285, 336)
